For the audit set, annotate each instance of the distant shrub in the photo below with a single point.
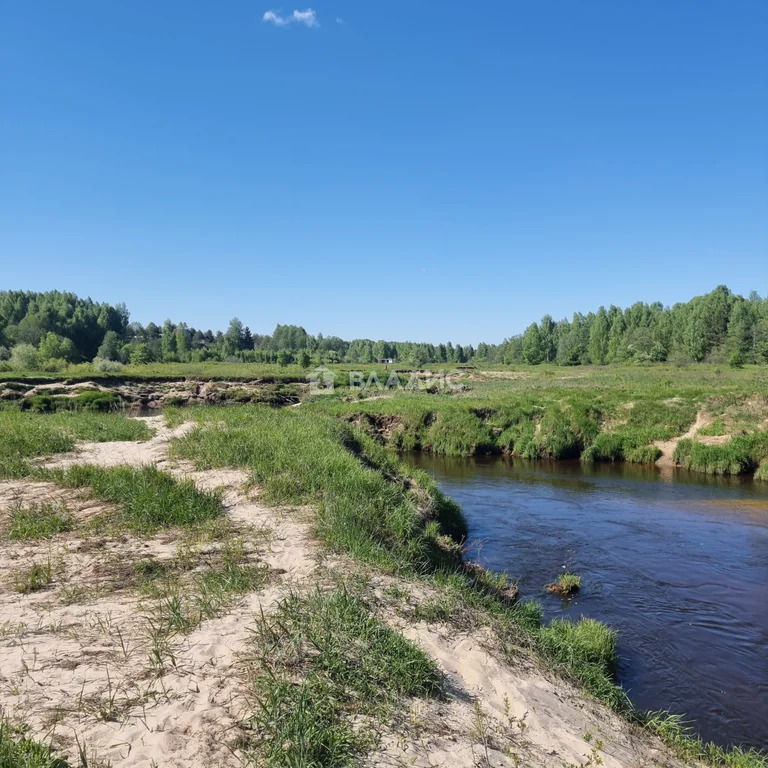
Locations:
(53, 364)
(24, 357)
(5, 353)
(102, 365)
(92, 400)
(736, 360)
(762, 470)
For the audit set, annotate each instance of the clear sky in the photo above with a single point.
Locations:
(411, 170)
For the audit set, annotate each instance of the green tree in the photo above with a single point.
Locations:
(598, 338)
(233, 338)
(110, 346)
(183, 341)
(139, 355)
(533, 345)
(55, 347)
(24, 357)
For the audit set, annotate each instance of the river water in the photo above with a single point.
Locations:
(677, 563)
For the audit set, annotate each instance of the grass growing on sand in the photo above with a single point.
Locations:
(373, 507)
(18, 750)
(353, 669)
(39, 521)
(147, 498)
(34, 578)
(25, 435)
(367, 502)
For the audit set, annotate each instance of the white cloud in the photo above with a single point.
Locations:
(308, 18)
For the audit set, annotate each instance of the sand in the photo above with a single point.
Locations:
(77, 671)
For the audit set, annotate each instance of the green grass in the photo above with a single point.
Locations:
(25, 435)
(18, 750)
(89, 400)
(610, 413)
(327, 676)
(39, 521)
(673, 731)
(742, 454)
(367, 502)
(147, 498)
(566, 584)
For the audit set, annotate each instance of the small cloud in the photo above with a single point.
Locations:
(308, 18)
(339, 20)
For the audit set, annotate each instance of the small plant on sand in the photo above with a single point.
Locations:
(18, 750)
(567, 584)
(33, 579)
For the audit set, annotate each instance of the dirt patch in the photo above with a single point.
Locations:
(379, 425)
(667, 447)
(149, 394)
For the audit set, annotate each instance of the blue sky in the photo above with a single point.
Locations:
(402, 170)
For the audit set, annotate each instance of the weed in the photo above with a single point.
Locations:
(35, 578)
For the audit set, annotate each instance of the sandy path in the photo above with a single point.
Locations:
(667, 447)
(80, 671)
(64, 668)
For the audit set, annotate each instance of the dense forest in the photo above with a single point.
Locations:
(49, 330)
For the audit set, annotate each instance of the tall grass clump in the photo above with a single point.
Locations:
(673, 731)
(147, 498)
(354, 671)
(741, 455)
(367, 502)
(587, 650)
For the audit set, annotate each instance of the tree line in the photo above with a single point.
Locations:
(53, 329)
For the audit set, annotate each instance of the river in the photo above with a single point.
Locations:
(678, 563)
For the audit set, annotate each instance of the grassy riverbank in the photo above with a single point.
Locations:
(596, 414)
(372, 507)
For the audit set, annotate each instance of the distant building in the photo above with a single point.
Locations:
(386, 361)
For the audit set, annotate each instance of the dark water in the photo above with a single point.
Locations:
(678, 564)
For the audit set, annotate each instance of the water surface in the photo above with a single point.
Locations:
(677, 563)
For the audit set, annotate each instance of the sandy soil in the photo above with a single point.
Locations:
(77, 669)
